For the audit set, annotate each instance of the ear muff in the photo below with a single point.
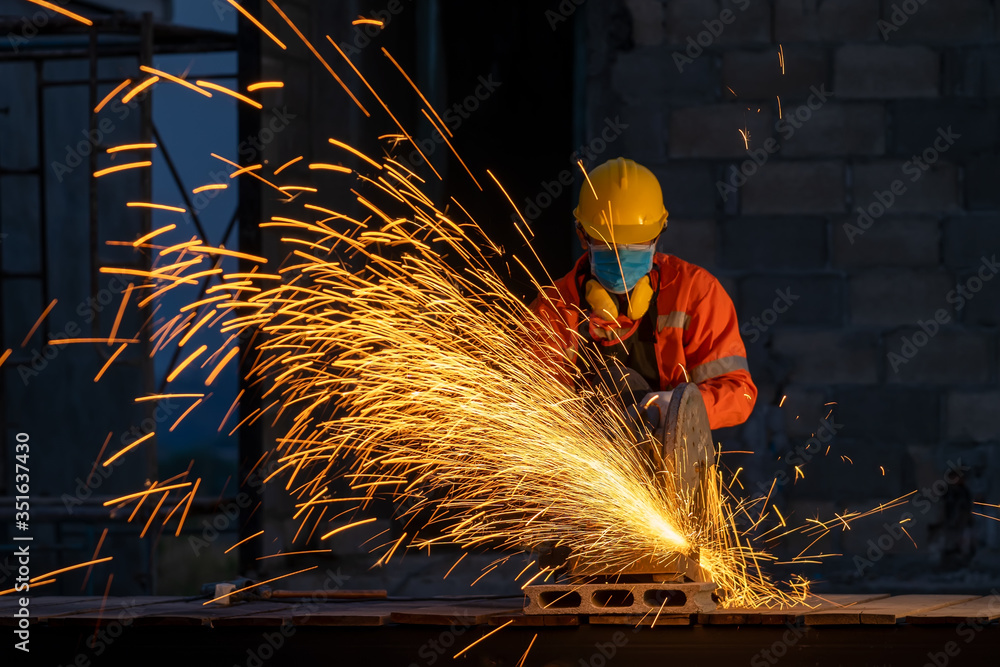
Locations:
(604, 306)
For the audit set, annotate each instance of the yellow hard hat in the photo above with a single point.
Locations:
(628, 207)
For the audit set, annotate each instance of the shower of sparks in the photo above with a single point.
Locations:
(391, 354)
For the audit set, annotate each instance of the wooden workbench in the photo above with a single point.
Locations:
(833, 630)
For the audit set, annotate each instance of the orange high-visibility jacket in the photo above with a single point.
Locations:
(696, 331)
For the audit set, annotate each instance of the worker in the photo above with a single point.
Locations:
(665, 321)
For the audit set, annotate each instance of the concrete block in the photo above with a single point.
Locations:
(833, 129)
(830, 357)
(631, 598)
(898, 297)
(795, 187)
(906, 186)
(825, 20)
(692, 240)
(982, 175)
(890, 242)
(948, 129)
(688, 189)
(939, 354)
(652, 72)
(929, 21)
(975, 72)
(879, 72)
(757, 74)
(983, 309)
(714, 131)
(891, 415)
(970, 239)
(647, 21)
(973, 415)
(773, 243)
(744, 22)
(811, 300)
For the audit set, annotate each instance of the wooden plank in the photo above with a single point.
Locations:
(447, 612)
(194, 613)
(329, 613)
(980, 611)
(885, 611)
(782, 615)
(647, 620)
(536, 620)
(61, 606)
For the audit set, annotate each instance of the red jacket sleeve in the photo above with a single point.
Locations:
(717, 359)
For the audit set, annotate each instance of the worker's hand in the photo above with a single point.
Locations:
(653, 407)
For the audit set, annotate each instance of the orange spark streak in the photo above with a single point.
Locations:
(259, 25)
(360, 21)
(260, 583)
(65, 12)
(161, 207)
(230, 253)
(265, 84)
(71, 567)
(233, 164)
(121, 86)
(130, 147)
(184, 514)
(372, 91)
(782, 401)
(122, 167)
(351, 149)
(230, 411)
(296, 553)
(329, 167)
(287, 164)
(520, 663)
(195, 328)
(297, 188)
(414, 86)
(3, 357)
(135, 443)
(246, 170)
(210, 186)
(86, 577)
(779, 106)
(156, 397)
(467, 170)
(184, 414)
(492, 632)
(175, 79)
(319, 57)
(121, 311)
(232, 93)
(73, 341)
(38, 322)
(111, 360)
(156, 232)
(153, 515)
(245, 539)
(781, 58)
(146, 83)
(350, 525)
(181, 366)
(222, 364)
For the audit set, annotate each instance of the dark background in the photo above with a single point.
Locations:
(569, 71)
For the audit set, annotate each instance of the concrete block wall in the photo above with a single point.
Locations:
(849, 204)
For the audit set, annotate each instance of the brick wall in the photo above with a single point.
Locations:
(862, 209)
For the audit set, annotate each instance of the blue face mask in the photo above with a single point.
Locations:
(636, 261)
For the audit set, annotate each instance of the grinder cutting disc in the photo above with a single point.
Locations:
(687, 450)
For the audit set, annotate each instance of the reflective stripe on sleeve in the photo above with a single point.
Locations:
(676, 320)
(711, 369)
